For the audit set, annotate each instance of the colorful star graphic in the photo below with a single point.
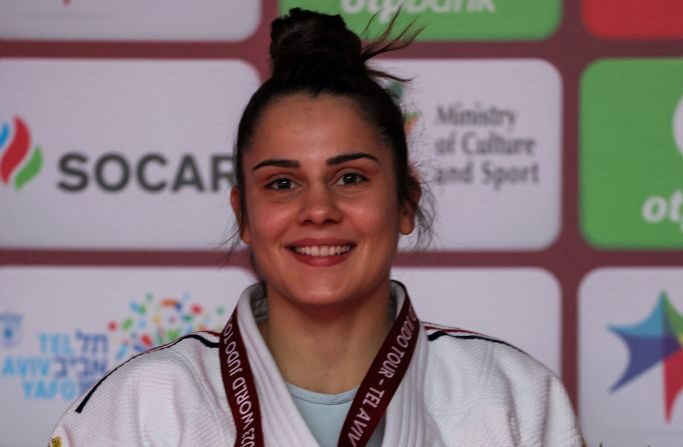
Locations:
(658, 338)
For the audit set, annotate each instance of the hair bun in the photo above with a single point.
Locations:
(306, 39)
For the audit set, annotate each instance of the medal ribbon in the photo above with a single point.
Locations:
(239, 385)
(368, 407)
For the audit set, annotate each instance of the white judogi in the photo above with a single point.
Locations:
(460, 389)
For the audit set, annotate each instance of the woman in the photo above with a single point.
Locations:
(326, 350)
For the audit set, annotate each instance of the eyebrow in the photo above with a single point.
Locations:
(339, 159)
(292, 164)
(277, 162)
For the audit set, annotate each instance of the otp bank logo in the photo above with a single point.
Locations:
(657, 339)
(18, 164)
(446, 19)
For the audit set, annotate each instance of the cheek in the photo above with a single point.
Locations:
(267, 223)
(377, 215)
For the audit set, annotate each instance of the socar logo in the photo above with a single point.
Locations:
(656, 339)
(18, 164)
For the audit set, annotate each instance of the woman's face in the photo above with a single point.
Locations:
(322, 213)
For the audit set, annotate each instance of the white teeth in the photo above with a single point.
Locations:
(322, 250)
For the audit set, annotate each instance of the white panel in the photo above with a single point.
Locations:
(62, 328)
(632, 415)
(487, 137)
(106, 124)
(206, 20)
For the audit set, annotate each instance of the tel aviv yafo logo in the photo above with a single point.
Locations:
(156, 321)
(656, 339)
(19, 164)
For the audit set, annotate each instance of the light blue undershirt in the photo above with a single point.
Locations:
(325, 414)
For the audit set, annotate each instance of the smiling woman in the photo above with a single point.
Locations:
(326, 349)
(321, 193)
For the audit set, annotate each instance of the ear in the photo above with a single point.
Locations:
(406, 223)
(235, 202)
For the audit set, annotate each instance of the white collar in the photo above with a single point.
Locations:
(282, 423)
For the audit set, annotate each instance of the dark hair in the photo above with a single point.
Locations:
(316, 53)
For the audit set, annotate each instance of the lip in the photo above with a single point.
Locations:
(320, 261)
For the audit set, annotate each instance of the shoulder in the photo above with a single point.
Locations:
(500, 393)
(153, 391)
(478, 367)
(483, 355)
(168, 365)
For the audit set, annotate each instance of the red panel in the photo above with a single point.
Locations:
(640, 19)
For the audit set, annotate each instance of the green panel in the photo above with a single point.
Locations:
(448, 20)
(631, 170)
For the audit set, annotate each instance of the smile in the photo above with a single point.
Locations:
(322, 250)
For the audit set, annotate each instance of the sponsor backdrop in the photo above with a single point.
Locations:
(119, 166)
(550, 135)
(631, 350)
(169, 20)
(63, 328)
(484, 147)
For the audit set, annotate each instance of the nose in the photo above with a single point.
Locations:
(319, 206)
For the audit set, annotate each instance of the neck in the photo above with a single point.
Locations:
(326, 349)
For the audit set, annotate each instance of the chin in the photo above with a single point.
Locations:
(312, 297)
(319, 297)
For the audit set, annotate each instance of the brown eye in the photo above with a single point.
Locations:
(281, 184)
(351, 178)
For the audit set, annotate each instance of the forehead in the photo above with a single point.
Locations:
(300, 125)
